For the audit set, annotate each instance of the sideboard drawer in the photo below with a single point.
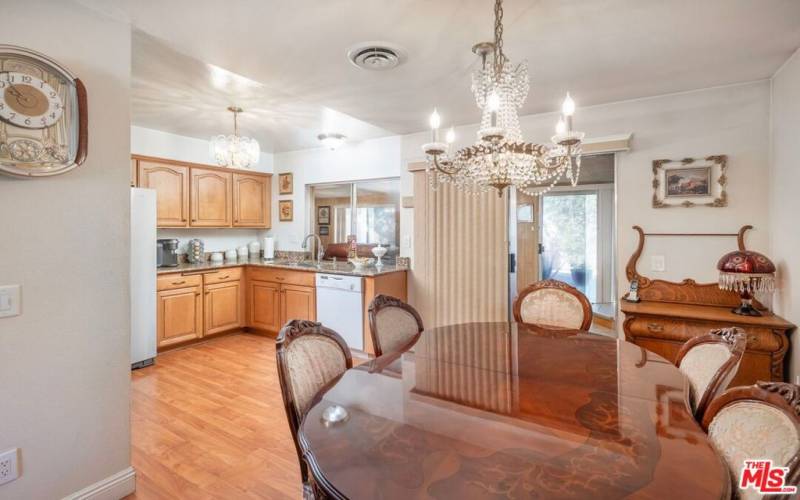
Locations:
(758, 338)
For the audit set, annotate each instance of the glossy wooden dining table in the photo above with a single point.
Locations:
(499, 410)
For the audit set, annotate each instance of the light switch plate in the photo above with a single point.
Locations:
(657, 263)
(10, 300)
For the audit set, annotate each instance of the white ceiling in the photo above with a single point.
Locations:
(600, 50)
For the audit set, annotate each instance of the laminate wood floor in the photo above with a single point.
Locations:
(208, 423)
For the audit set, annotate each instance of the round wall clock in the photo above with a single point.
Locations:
(43, 115)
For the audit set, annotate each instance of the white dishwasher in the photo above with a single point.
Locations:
(340, 307)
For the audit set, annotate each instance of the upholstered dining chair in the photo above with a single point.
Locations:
(393, 324)
(309, 357)
(553, 303)
(761, 421)
(710, 362)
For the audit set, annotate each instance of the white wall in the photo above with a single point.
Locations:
(65, 363)
(149, 142)
(371, 159)
(785, 236)
(730, 120)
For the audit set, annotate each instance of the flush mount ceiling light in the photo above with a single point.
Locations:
(500, 158)
(331, 141)
(234, 151)
(376, 56)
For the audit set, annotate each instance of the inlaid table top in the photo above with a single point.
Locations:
(499, 410)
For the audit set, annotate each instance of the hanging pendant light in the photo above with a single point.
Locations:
(235, 151)
(500, 158)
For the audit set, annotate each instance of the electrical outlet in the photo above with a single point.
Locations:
(797, 379)
(657, 263)
(9, 465)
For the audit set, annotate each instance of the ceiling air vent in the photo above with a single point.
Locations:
(376, 56)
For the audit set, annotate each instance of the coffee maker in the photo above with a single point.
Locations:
(167, 252)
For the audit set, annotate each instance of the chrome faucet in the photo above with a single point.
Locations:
(320, 251)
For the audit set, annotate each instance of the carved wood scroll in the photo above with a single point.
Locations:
(687, 291)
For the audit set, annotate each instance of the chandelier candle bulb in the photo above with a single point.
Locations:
(451, 136)
(436, 122)
(561, 127)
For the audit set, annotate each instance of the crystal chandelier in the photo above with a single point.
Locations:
(235, 151)
(500, 158)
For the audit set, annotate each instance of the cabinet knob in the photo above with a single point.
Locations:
(178, 282)
(655, 327)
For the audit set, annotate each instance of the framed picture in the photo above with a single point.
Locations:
(285, 210)
(324, 230)
(324, 215)
(285, 183)
(690, 182)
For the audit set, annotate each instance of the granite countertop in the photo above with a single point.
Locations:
(326, 267)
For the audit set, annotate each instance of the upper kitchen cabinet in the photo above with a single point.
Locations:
(251, 194)
(195, 195)
(210, 198)
(171, 183)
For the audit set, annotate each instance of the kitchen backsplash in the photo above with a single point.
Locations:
(214, 240)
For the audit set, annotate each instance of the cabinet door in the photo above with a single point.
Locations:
(171, 183)
(223, 307)
(298, 302)
(251, 200)
(264, 307)
(180, 315)
(210, 198)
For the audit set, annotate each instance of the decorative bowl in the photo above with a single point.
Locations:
(361, 262)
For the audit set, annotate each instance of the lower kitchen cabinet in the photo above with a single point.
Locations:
(180, 315)
(223, 307)
(264, 305)
(298, 302)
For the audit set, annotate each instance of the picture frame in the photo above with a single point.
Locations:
(324, 214)
(690, 182)
(285, 210)
(324, 230)
(285, 183)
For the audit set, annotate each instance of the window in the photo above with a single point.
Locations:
(376, 205)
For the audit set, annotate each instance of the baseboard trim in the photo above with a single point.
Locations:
(120, 485)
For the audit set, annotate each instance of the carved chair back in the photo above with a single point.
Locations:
(310, 357)
(710, 362)
(553, 303)
(757, 422)
(393, 324)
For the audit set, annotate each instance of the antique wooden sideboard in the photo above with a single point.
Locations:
(671, 313)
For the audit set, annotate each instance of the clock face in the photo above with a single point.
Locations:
(43, 129)
(27, 101)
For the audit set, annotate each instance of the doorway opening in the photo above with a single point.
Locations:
(568, 235)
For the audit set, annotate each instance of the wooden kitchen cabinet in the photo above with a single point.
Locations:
(195, 195)
(298, 302)
(179, 315)
(210, 198)
(250, 200)
(264, 305)
(171, 183)
(276, 296)
(223, 307)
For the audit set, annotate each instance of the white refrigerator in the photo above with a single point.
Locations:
(143, 277)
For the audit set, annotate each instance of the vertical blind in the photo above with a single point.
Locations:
(460, 268)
